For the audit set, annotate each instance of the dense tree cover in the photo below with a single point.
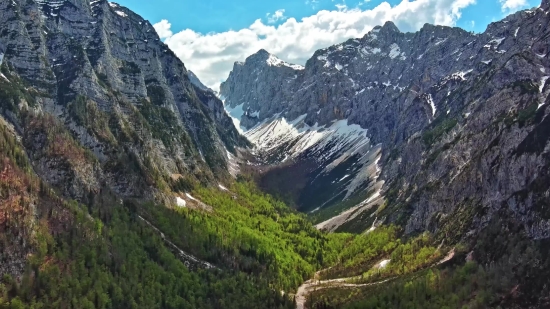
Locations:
(468, 286)
(502, 268)
(408, 257)
(123, 263)
(101, 255)
(363, 252)
(252, 232)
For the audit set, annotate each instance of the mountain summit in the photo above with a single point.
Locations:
(431, 104)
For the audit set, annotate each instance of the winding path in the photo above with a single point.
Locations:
(188, 259)
(315, 284)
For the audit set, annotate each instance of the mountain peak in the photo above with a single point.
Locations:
(264, 57)
(389, 26)
(545, 5)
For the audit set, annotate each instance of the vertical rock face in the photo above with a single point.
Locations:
(100, 73)
(458, 118)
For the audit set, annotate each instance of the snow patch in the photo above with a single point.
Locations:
(180, 202)
(222, 187)
(367, 50)
(383, 264)
(122, 14)
(497, 42)
(396, 52)
(543, 83)
(190, 197)
(541, 88)
(236, 113)
(276, 62)
(432, 104)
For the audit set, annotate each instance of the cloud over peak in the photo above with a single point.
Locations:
(211, 56)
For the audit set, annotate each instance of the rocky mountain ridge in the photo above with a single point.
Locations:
(453, 113)
(99, 74)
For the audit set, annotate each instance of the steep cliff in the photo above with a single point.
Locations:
(459, 117)
(93, 75)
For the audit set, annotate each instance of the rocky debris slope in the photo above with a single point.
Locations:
(460, 118)
(101, 101)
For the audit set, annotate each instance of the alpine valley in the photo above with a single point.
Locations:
(396, 170)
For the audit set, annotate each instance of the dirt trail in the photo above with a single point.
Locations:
(315, 284)
(188, 259)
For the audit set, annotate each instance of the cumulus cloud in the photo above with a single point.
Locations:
(510, 5)
(163, 29)
(211, 56)
(277, 16)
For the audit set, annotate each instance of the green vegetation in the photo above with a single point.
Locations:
(156, 95)
(129, 68)
(445, 126)
(164, 125)
(449, 288)
(252, 231)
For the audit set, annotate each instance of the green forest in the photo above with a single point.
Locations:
(105, 255)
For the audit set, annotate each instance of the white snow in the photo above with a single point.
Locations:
(396, 52)
(543, 83)
(279, 131)
(343, 178)
(276, 62)
(4, 77)
(222, 187)
(236, 113)
(190, 197)
(338, 66)
(487, 61)
(113, 5)
(432, 104)
(1, 58)
(120, 13)
(497, 42)
(462, 74)
(516, 33)
(541, 88)
(180, 202)
(383, 264)
(367, 50)
(440, 40)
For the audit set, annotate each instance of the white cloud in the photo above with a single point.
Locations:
(211, 56)
(277, 16)
(163, 29)
(510, 5)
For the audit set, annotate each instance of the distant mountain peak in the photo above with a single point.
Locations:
(263, 56)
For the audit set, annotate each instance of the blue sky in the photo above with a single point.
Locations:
(210, 35)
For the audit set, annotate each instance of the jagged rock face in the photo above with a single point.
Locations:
(103, 73)
(459, 116)
(196, 82)
(264, 84)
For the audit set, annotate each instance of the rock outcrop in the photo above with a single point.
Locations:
(96, 76)
(459, 117)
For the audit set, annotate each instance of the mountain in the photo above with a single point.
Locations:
(124, 184)
(197, 83)
(417, 128)
(99, 73)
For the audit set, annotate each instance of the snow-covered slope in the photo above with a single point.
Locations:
(341, 161)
